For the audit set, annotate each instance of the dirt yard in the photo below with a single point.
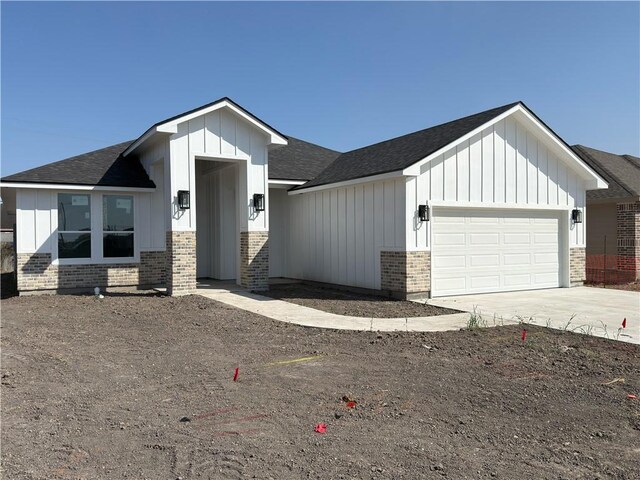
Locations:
(633, 287)
(141, 387)
(344, 302)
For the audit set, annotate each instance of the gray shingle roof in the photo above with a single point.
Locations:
(104, 167)
(401, 152)
(622, 172)
(299, 160)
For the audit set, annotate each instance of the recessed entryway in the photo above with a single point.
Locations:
(217, 248)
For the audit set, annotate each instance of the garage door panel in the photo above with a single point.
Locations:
(548, 279)
(550, 258)
(449, 239)
(516, 238)
(487, 281)
(454, 284)
(481, 251)
(448, 261)
(484, 260)
(545, 238)
(516, 259)
(517, 280)
(484, 238)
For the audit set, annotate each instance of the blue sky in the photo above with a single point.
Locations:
(80, 76)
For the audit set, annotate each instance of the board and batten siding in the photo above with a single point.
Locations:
(505, 165)
(34, 220)
(37, 219)
(155, 216)
(219, 135)
(336, 235)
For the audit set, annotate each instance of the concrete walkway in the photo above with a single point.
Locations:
(310, 317)
(594, 311)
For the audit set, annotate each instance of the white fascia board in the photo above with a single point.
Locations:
(288, 183)
(62, 186)
(274, 137)
(355, 181)
(594, 181)
(146, 136)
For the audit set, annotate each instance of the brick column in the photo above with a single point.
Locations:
(628, 218)
(254, 260)
(577, 266)
(405, 273)
(181, 263)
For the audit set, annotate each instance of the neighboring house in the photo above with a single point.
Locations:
(491, 202)
(614, 213)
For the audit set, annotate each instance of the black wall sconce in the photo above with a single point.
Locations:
(423, 213)
(184, 199)
(576, 215)
(258, 202)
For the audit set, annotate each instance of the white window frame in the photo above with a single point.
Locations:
(103, 231)
(97, 257)
(83, 232)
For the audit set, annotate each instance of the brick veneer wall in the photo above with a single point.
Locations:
(628, 226)
(36, 272)
(254, 260)
(402, 273)
(181, 263)
(577, 268)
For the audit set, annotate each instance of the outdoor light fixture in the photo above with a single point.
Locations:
(258, 202)
(576, 215)
(184, 199)
(423, 213)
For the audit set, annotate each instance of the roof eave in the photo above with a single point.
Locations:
(73, 186)
(171, 126)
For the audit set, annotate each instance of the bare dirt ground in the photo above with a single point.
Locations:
(633, 287)
(343, 302)
(98, 388)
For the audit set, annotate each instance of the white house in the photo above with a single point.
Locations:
(487, 203)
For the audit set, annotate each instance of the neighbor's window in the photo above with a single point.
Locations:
(74, 225)
(117, 226)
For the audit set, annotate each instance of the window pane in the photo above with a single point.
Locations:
(117, 213)
(74, 212)
(74, 245)
(117, 245)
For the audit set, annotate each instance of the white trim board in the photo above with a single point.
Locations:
(65, 186)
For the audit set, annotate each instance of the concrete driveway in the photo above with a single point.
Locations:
(595, 311)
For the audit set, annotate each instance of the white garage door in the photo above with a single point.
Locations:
(481, 251)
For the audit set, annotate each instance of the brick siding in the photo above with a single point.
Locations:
(628, 229)
(405, 272)
(36, 272)
(577, 267)
(181, 263)
(254, 260)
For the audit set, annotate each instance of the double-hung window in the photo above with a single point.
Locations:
(117, 226)
(74, 225)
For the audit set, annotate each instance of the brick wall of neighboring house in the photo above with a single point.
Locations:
(35, 272)
(181, 263)
(254, 260)
(403, 273)
(577, 265)
(628, 220)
